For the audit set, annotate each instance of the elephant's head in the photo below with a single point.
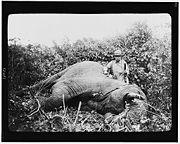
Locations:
(130, 97)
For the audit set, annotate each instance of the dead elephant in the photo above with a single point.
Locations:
(86, 82)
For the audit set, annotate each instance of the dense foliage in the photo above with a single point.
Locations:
(149, 60)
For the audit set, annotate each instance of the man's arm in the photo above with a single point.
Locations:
(126, 68)
(107, 69)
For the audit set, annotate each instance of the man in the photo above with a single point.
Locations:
(118, 68)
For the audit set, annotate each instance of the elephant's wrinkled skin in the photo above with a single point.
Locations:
(86, 82)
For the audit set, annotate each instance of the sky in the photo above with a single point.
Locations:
(46, 28)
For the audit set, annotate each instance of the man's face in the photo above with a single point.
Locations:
(118, 58)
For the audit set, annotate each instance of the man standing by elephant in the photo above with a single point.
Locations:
(118, 68)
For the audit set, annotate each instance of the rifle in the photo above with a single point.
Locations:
(125, 74)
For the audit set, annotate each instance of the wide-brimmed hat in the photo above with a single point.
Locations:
(117, 53)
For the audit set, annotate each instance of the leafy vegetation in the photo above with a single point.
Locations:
(149, 60)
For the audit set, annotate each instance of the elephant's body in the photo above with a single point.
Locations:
(86, 82)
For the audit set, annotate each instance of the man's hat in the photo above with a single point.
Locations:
(117, 53)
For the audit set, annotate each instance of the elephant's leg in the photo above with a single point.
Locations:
(56, 99)
(52, 103)
(67, 89)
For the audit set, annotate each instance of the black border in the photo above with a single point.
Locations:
(17, 7)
